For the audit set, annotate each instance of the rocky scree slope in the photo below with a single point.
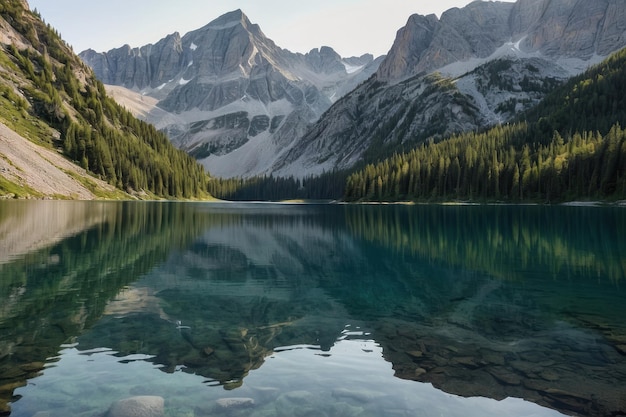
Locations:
(227, 94)
(50, 97)
(29, 166)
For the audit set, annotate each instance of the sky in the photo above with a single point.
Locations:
(350, 27)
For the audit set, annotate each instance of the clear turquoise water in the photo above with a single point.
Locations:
(312, 310)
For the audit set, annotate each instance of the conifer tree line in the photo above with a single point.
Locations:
(96, 132)
(500, 165)
(571, 146)
(328, 186)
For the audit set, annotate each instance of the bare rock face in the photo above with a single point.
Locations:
(482, 27)
(426, 43)
(148, 66)
(556, 33)
(412, 41)
(566, 28)
(554, 28)
(229, 45)
(324, 60)
(613, 32)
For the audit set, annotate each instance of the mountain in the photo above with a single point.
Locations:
(61, 136)
(227, 94)
(551, 28)
(570, 147)
(472, 68)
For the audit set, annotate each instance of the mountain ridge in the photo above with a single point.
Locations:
(495, 59)
(571, 146)
(227, 85)
(534, 48)
(553, 28)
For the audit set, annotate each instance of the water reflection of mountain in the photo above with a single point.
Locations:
(494, 325)
(241, 290)
(78, 259)
(456, 296)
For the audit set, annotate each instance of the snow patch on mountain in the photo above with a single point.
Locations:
(507, 50)
(572, 66)
(252, 107)
(351, 69)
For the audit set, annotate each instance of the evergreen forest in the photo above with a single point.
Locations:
(572, 146)
(53, 85)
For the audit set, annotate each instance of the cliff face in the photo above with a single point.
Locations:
(226, 84)
(553, 28)
(591, 27)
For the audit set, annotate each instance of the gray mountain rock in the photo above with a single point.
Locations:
(407, 52)
(472, 68)
(376, 116)
(226, 84)
(324, 60)
(138, 68)
(243, 106)
(554, 28)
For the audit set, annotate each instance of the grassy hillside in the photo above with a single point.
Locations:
(50, 97)
(572, 146)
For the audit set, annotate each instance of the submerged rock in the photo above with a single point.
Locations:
(230, 403)
(358, 395)
(141, 406)
(299, 404)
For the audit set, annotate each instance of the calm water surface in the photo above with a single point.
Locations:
(312, 310)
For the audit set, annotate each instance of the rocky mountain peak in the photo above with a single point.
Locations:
(234, 17)
(229, 95)
(475, 66)
(324, 60)
(235, 20)
(410, 44)
(552, 28)
(426, 42)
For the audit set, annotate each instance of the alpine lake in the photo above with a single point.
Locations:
(225, 309)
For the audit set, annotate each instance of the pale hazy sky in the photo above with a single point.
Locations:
(351, 27)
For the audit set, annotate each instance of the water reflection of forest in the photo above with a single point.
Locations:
(503, 241)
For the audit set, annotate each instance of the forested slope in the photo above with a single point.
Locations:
(572, 146)
(49, 96)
